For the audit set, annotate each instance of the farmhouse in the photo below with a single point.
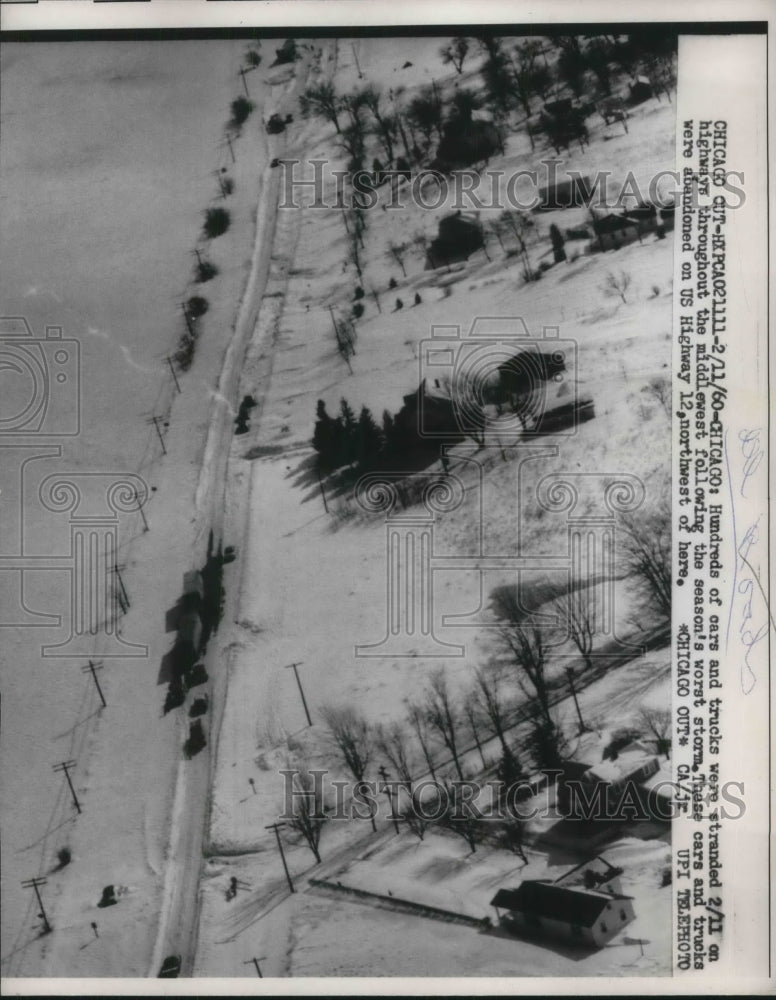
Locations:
(614, 231)
(459, 235)
(629, 787)
(588, 917)
(466, 140)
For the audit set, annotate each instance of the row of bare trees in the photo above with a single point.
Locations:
(366, 112)
(440, 730)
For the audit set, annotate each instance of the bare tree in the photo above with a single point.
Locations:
(577, 610)
(617, 284)
(385, 123)
(400, 117)
(518, 224)
(645, 544)
(419, 724)
(354, 257)
(460, 815)
(525, 643)
(489, 695)
(352, 138)
(414, 815)
(473, 719)
(443, 717)
(511, 837)
(345, 332)
(392, 742)
(397, 252)
(659, 388)
(354, 739)
(426, 112)
(455, 53)
(658, 722)
(497, 227)
(308, 810)
(523, 61)
(321, 100)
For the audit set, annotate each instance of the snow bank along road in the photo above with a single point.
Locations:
(178, 923)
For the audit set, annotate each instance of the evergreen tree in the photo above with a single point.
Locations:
(368, 440)
(327, 438)
(347, 443)
(557, 244)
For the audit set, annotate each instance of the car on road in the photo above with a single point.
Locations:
(171, 967)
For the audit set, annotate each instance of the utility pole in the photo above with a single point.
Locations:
(255, 961)
(140, 508)
(123, 596)
(245, 82)
(570, 676)
(385, 776)
(221, 179)
(34, 883)
(355, 56)
(376, 297)
(293, 666)
(231, 148)
(168, 359)
(276, 827)
(186, 316)
(156, 421)
(340, 343)
(93, 668)
(65, 767)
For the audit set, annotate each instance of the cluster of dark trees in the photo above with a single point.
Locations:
(415, 437)
(514, 72)
(397, 444)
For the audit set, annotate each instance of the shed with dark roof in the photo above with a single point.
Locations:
(588, 917)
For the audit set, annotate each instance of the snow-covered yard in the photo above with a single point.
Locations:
(309, 584)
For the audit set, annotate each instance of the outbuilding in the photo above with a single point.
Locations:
(583, 916)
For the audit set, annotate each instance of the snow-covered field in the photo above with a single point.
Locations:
(313, 584)
(109, 159)
(104, 219)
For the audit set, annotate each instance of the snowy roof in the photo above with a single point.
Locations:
(628, 765)
(556, 902)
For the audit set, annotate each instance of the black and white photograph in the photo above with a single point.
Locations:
(383, 551)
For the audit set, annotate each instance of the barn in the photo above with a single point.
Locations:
(588, 917)
(459, 235)
(614, 231)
